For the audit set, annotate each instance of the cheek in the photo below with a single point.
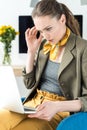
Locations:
(56, 33)
(59, 29)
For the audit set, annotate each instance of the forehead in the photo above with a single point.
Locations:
(45, 21)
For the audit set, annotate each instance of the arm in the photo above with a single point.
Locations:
(32, 44)
(44, 111)
(83, 98)
(70, 106)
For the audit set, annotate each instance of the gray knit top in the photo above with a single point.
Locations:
(49, 79)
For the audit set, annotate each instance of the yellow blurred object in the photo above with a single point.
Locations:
(7, 34)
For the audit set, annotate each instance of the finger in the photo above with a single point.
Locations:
(42, 116)
(32, 31)
(40, 39)
(33, 116)
(41, 107)
(27, 31)
(37, 114)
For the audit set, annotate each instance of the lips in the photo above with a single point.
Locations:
(50, 41)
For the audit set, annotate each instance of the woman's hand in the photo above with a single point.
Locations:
(48, 109)
(31, 39)
(45, 111)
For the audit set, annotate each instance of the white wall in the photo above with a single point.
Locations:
(9, 13)
(11, 9)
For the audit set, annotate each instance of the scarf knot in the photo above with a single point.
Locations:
(54, 48)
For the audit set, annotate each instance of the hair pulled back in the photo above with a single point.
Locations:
(55, 9)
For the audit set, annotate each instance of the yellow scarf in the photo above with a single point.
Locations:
(53, 48)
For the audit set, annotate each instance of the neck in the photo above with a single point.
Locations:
(60, 54)
(63, 34)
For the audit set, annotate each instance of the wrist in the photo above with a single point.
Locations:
(31, 52)
(31, 55)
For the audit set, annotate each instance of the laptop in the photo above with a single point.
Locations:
(10, 97)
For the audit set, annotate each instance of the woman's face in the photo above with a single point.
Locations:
(51, 29)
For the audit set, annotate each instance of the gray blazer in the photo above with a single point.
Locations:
(72, 75)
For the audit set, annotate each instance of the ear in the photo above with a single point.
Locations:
(63, 19)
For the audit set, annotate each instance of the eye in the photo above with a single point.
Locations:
(49, 29)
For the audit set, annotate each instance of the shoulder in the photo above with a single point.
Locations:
(78, 39)
(80, 42)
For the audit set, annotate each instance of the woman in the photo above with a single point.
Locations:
(56, 69)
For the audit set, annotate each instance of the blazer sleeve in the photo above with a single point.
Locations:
(83, 98)
(29, 78)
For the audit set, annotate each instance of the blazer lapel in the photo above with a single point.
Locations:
(68, 54)
(67, 58)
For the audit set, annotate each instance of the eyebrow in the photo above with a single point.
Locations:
(45, 28)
